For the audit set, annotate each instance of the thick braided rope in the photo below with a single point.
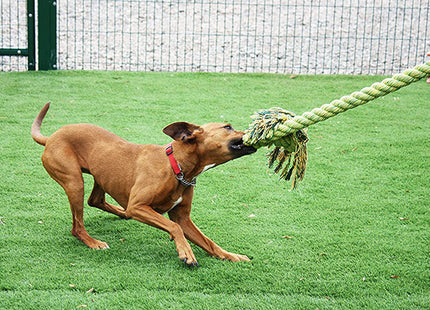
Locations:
(287, 132)
(356, 99)
(282, 126)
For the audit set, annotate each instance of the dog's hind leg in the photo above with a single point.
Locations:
(75, 193)
(97, 199)
(68, 174)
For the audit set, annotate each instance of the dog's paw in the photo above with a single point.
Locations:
(186, 254)
(235, 257)
(100, 245)
(192, 264)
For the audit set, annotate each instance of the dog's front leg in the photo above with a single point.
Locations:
(147, 215)
(181, 215)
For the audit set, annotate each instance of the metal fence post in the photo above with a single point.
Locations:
(47, 30)
(31, 36)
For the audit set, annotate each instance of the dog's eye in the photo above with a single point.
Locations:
(228, 127)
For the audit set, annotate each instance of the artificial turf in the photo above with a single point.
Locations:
(355, 234)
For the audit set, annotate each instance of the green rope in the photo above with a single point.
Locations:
(287, 131)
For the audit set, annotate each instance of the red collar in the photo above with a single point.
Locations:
(177, 169)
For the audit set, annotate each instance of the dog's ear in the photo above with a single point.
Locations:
(182, 131)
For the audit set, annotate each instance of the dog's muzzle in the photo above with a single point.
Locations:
(238, 149)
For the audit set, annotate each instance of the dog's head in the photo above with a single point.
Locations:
(216, 142)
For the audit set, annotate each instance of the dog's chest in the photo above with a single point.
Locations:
(175, 203)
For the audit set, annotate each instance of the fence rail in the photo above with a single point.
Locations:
(274, 36)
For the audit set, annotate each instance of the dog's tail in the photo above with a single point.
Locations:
(35, 128)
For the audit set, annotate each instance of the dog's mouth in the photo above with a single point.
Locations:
(238, 149)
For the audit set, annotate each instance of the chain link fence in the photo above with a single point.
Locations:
(299, 36)
(270, 36)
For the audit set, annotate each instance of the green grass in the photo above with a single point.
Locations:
(349, 249)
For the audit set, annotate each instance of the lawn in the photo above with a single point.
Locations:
(356, 233)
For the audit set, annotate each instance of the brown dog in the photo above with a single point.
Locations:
(146, 180)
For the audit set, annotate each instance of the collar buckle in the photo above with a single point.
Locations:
(169, 150)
